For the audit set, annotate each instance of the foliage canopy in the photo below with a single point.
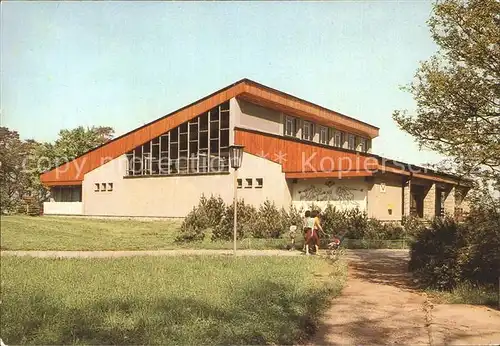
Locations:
(457, 90)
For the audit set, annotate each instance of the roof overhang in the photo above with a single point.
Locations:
(333, 174)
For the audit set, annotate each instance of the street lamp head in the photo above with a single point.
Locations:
(236, 155)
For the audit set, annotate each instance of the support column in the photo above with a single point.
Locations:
(406, 196)
(430, 202)
(449, 202)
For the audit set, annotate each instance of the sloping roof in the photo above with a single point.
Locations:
(72, 173)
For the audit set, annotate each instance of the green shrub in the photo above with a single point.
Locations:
(434, 253)
(207, 214)
(448, 253)
(194, 225)
(269, 222)
(214, 208)
(481, 256)
(334, 221)
(357, 223)
(375, 229)
(293, 216)
(247, 216)
(393, 231)
(412, 225)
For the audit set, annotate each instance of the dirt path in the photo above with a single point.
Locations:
(177, 252)
(379, 306)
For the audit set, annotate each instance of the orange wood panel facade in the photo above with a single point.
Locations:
(389, 169)
(422, 175)
(300, 157)
(338, 175)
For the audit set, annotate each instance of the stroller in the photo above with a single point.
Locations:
(334, 244)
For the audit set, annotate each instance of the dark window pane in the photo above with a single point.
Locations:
(214, 114)
(164, 166)
(193, 127)
(184, 141)
(174, 166)
(130, 163)
(174, 154)
(203, 161)
(193, 164)
(156, 140)
(146, 164)
(184, 127)
(156, 152)
(214, 129)
(224, 120)
(214, 146)
(193, 134)
(138, 161)
(193, 148)
(224, 138)
(224, 159)
(203, 141)
(214, 163)
(146, 148)
(137, 166)
(203, 122)
(155, 167)
(164, 155)
(183, 164)
(164, 143)
(225, 106)
(174, 133)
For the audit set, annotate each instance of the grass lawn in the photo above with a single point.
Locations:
(155, 300)
(20, 232)
(466, 293)
(66, 233)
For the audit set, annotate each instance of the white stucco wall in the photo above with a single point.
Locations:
(171, 196)
(385, 198)
(63, 208)
(341, 193)
(254, 117)
(275, 187)
(175, 196)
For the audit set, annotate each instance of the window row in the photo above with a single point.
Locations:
(310, 131)
(101, 187)
(249, 183)
(198, 146)
(66, 193)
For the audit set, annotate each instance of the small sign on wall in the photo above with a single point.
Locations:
(382, 187)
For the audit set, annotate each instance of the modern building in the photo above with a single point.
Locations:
(295, 152)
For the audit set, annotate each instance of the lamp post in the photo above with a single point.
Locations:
(235, 158)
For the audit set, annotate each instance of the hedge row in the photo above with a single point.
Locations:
(268, 221)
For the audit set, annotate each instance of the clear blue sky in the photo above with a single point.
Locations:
(123, 64)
